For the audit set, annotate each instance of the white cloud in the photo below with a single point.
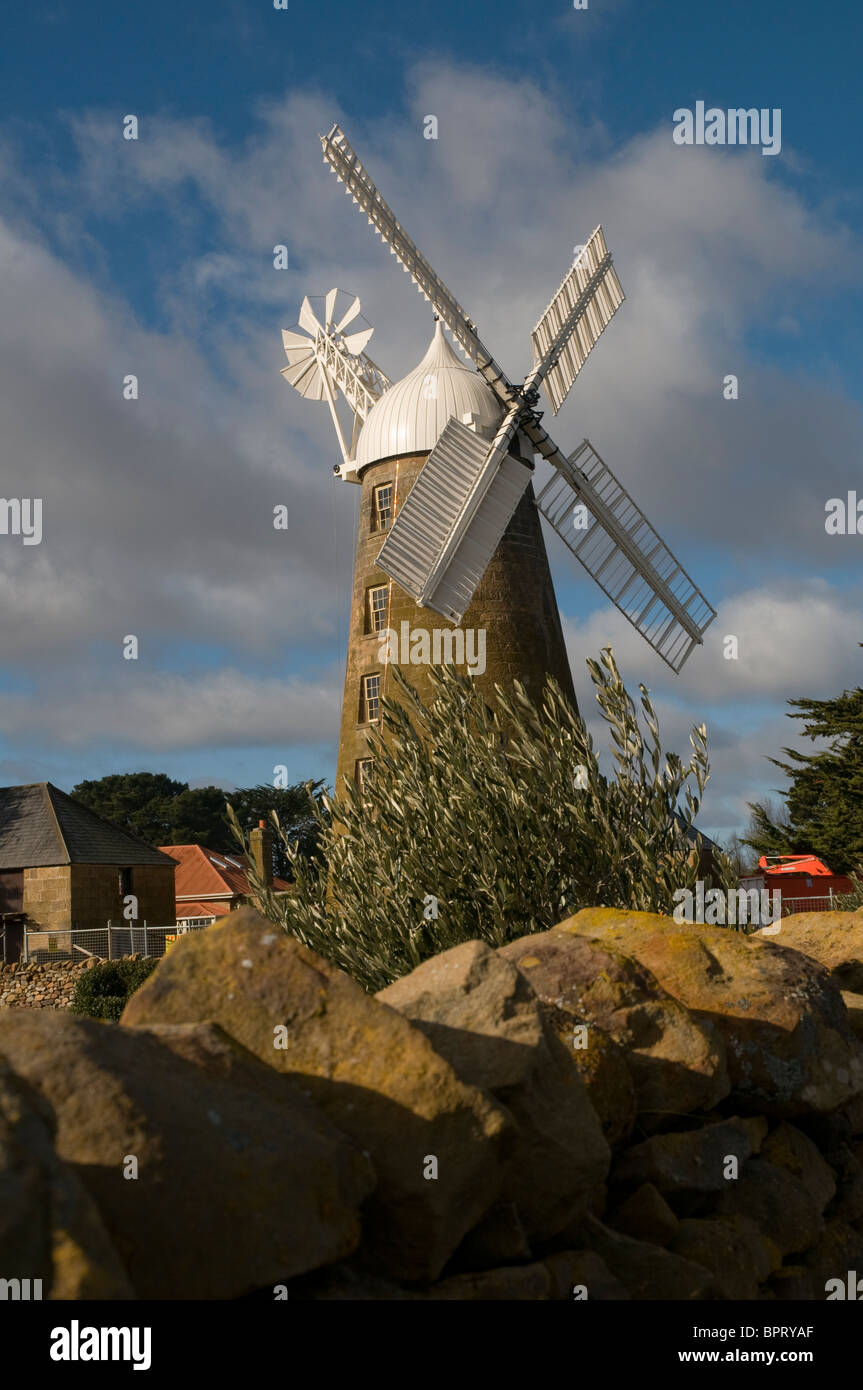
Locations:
(159, 712)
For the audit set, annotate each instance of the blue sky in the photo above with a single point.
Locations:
(155, 257)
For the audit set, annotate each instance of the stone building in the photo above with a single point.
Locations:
(511, 630)
(63, 866)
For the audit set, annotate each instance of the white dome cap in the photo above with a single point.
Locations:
(409, 418)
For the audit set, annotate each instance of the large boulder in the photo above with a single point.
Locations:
(677, 1063)
(789, 1046)
(50, 1228)
(437, 1144)
(834, 939)
(479, 1012)
(207, 1188)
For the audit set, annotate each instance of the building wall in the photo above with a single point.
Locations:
(47, 896)
(514, 603)
(96, 894)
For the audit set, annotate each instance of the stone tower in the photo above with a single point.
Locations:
(511, 630)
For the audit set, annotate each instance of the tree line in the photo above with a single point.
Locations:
(163, 811)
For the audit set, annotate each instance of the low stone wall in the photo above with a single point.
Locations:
(31, 986)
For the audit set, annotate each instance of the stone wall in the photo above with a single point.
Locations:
(583, 1113)
(39, 986)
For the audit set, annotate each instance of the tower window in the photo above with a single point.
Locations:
(376, 608)
(382, 507)
(365, 772)
(370, 699)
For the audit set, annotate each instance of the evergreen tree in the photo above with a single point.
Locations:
(825, 799)
(163, 811)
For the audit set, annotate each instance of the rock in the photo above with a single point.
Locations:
(583, 1274)
(731, 1248)
(369, 1070)
(838, 1252)
(559, 1278)
(793, 1283)
(50, 1229)
(787, 1147)
(647, 1271)
(512, 1283)
(233, 1191)
(348, 1282)
(479, 1012)
(834, 939)
(853, 1114)
(854, 1005)
(604, 1070)
(778, 1204)
(498, 1239)
(677, 1063)
(847, 1205)
(695, 1161)
(645, 1215)
(789, 1046)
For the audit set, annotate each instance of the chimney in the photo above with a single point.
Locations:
(261, 845)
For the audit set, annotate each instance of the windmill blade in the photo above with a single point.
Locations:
(355, 343)
(448, 528)
(344, 163)
(623, 553)
(308, 318)
(349, 315)
(582, 308)
(304, 371)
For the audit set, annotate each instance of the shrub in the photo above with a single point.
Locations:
(491, 822)
(102, 991)
(853, 901)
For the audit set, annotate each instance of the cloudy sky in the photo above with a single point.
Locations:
(154, 257)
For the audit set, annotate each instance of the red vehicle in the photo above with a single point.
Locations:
(805, 882)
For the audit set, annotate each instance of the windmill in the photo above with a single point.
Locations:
(450, 524)
(324, 359)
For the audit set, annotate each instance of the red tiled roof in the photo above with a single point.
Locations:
(203, 873)
(211, 909)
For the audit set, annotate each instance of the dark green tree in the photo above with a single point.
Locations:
(825, 798)
(163, 811)
(295, 812)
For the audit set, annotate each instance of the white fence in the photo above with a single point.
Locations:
(108, 942)
(820, 904)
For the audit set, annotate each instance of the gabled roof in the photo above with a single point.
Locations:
(202, 872)
(41, 826)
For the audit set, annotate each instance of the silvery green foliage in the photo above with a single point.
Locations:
(853, 901)
(485, 809)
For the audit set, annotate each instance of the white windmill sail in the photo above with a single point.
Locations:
(582, 308)
(623, 553)
(451, 522)
(346, 165)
